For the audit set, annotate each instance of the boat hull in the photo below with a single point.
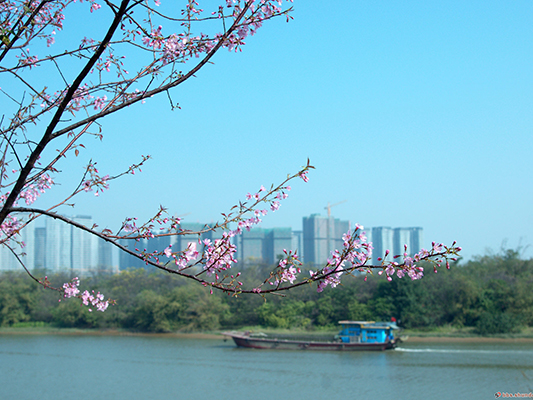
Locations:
(243, 340)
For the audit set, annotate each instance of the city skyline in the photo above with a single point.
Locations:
(60, 247)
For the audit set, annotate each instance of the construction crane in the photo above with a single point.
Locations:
(328, 207)
(328, 235)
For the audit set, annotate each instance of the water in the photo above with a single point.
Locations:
(145, 367)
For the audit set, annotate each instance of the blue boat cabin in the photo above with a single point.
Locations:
(366, 331)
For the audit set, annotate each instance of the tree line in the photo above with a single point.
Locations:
(491, 293)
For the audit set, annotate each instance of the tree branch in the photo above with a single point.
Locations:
(47, 137)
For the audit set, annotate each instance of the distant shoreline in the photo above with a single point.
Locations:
(106, 332)
(411, 338)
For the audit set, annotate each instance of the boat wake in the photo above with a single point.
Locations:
(460, 351)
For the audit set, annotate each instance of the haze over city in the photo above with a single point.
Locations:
(414, 114)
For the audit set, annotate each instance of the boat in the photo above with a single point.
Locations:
(354, 336)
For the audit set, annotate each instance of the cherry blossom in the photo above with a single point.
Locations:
(94, 300)
(71, 288)
(143, 52)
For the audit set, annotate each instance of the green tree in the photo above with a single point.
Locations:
(17, 299)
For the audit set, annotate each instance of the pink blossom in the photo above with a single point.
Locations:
(332, 279)
(303, 175)
(50, 40)
(219, 255)
(94, 300)
(288, 275)
(191, 253)
(174, 46)
(346, 238)
(99, 102)
(389, 270)
(95, 6)
(31, 192)
(437, 247)
(70, 289)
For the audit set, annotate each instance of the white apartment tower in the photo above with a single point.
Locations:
(84, 246)
(382, 240)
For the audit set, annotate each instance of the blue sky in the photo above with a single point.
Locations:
(415, 113)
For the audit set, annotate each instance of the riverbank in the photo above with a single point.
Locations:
(438, 335)
(50, 330)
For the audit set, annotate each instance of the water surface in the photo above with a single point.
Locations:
(144, 367)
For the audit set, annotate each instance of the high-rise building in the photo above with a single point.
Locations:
(156, 245)
(394, 240)
(84, 246)
(107, 257)
(412, 237)
(368, 234)
(60, 246)
(251, 247)
(297, 243)
(321, 236)
(276, 241)
(182, 241)
(382, 240)
(126, 260)
(57, 256)
(416, 241)
(262, 246)
(401, 237)
(22, 246)
(39, 247)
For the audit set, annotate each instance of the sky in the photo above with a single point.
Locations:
(414, 114)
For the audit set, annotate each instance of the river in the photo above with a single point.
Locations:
(159, 367)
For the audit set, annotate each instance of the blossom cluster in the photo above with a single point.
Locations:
(329, 275)
(70, 289)
(9, 228)
(168, 44)
(90, 299)
(219, 255)
(94, 300)
(32, 191)
(96, 182)
(288, 268)
(357, 254)
(182, 259)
